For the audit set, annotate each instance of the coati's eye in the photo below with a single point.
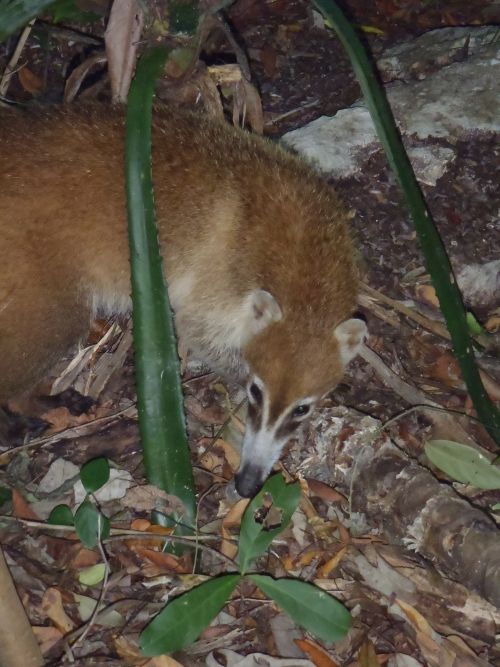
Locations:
(301, 411)
(255, 393)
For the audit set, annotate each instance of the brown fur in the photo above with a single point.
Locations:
(235, 214)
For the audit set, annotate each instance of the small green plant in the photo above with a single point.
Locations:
(184, 618)
(91, 525)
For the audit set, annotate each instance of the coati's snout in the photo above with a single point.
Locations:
(283, 390)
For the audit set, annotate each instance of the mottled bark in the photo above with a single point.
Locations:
(394, 493)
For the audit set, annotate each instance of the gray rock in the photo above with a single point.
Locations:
(451, 103)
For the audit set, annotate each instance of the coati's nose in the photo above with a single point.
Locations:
(248, 480)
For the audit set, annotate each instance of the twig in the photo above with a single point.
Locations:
(91, 621)
(368, 294)
(117, 534)
(410, 394)
(9, 69)
(73, 432)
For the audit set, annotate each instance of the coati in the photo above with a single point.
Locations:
(259, 261)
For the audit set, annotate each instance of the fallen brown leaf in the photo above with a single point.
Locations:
(367, 656)
(316, 653)
(30, 81)
(52, 607)
(47, 636)
(21, 508)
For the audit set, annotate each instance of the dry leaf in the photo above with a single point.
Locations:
(146, 497)
(232, 520)
(140, 524)
(75, 79)
(493, 324)
(427, 293)
(163, 561)
(47, 636)
(128, 652)
(122, 38)
(316, 653)
(367, 656)
(325, 492)
(30, 81)
(327, 568)
(415, 618)
(53, 608)
(83, 557)
(20, 508)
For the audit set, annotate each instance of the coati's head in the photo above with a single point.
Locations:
(294, 359)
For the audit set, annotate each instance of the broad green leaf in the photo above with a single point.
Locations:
(61, 516)
(90, 576)
(313, 609)
(275, 502)
(182, 621)
(159, 392)
(68, 10)
(14, 14)
(463, 463)
(94, 474)
(495, 507)
(91, 526)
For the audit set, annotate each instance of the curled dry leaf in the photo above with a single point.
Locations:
(122, 38)
(52, 607)
(30, 81)
(232, 520)
(428, 294)
(79, 74)
(327, 568)
(316, 653)
(325, 492)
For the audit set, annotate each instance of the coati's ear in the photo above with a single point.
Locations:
(264, 309)
(350, 336)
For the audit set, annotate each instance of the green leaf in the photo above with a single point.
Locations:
(159, 392)
(68, 10)
(184, 16)
(94, 474)
(61, 516)
(474, 327)
(313, 609)
(265, 517)
(91, 576)
(495, 507)
(91, 526)
(5, 495)
(14, 14)
(463, 463)
(182, 621)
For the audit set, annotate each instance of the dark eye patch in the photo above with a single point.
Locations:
(255, 393)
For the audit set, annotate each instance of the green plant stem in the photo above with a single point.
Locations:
(159, 393)
(437, 261)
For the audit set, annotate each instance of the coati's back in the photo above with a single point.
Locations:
(258, 258)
